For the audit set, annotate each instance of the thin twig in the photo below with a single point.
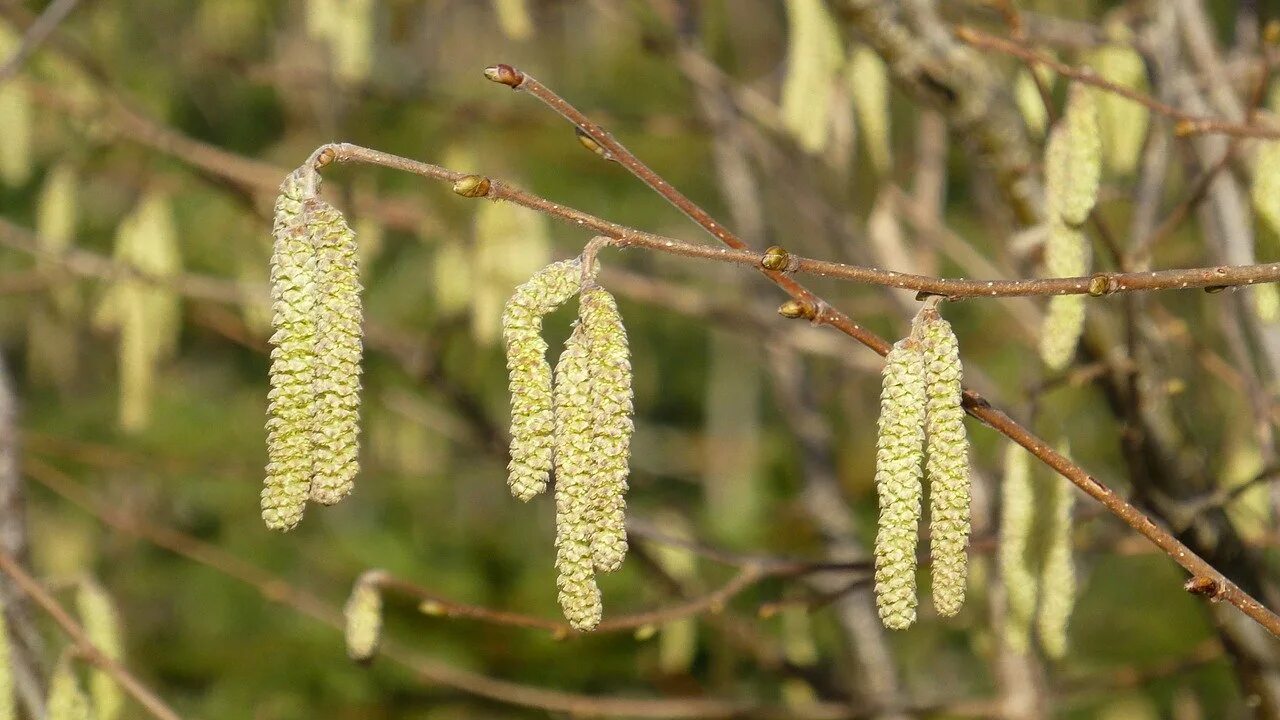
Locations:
(973, 402)
(145, 697)
(35, 35)
(1187, 124)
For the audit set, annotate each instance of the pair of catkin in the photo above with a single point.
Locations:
(313, 415)
(580, 425)
(1072, 173)
(922, 433)
(1035, 557)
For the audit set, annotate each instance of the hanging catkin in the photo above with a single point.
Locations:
(1017, 569)
(292, 399)
(1122, 123)
(576, 466)
(532, 418)
(814, 56)
(868, 80)
(7, 700)
(609, 363)
(899, 454)
(947, 461)
(362, 616)
(1057, 576)
(66, 700)
(52, 338)
(102, 625)
(336, 424)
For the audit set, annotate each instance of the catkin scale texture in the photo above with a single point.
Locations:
(576, 466)
(899, 454)
(532, 417)
(947, 462)
(291, 406)
(609, 361)
(338, 347)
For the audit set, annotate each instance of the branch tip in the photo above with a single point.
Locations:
(505, 74)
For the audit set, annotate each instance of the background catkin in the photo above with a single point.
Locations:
(102, 624)
(336, 423)
(947, 461)
(1073, 160)
(532, 418)
(576, 466)
(362, 615)
(1057, 576)
(52, 336)
(1017, 570)
(609, 361)
(899, 455)
(1122, 123)
(292, 397)
(7, 700)
(868, 81)
(814, 57)
(66, 700)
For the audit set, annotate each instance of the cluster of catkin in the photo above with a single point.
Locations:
(922, 434)
(66, 699)
(1072, 172)
(1035, 555)
(577, 422)
(313, 415)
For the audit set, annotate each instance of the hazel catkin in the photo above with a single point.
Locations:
(899, 454)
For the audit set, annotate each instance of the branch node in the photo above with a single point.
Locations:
(590, 143)
(505, 74)
(472, 186)
(776, 259)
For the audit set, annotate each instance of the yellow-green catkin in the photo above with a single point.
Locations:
(511, 243)
(145, 313)
(947, 461)
(335, 427)
(1122, 122)
(576, 468)
(514, 19)
(1057, 576)
(292, 397)
(677, 639)
(362, 615)
(1072, 176)
(609, 361)
(1017, 566)
(1073, 160)
(1026, 95)
(814, 57)
(532, 417)
(102, 625)
(16, 120)
(66, 700)
(1265, 193)
(899, 459)
(347, 28)
(869, 87)
(8, 710)
(52, 337)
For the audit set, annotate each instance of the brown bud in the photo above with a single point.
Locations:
(505, 74)
(1204, 587)
(1101, 284)
(590, 143)
(776, 259)
(472, 186)
(794, 309)
(325, 157)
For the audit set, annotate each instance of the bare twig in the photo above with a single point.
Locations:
(35, 35)
(144, 695)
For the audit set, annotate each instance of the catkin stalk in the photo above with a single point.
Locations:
(899, 455)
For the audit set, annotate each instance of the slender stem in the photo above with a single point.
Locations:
(91, 652)
(1103, 283)
(1187, 124)
(974, 403)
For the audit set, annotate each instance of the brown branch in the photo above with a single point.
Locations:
(974, 403)
(84, 645)
(35, 35)
(1187, 124)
